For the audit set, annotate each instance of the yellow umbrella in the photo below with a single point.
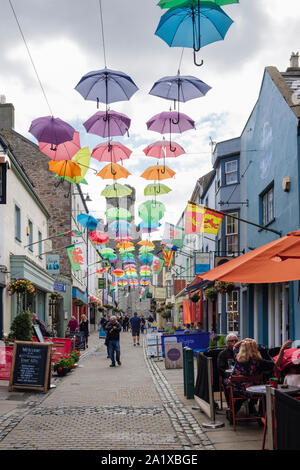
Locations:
(157, 173)
(113, 171)
(65, 168)
(146, 243)
(124, 245)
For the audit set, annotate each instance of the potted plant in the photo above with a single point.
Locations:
(20, 287)
(64, 365)
(79, 303)
(75, 355)
(224, 287)
(195, 298)
(55, 296)
(22, 327)
(211, 293)
(166, 314)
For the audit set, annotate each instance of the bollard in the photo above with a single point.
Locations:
(188, 372)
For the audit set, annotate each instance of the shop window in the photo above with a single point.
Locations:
(232, 310)
(17, 223)
(232, 234)
(3, 184)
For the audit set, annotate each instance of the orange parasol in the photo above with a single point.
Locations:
(278, 261)
(158, 172)
(65, 168)
(146, 243)
(113, 171)
(124, 245)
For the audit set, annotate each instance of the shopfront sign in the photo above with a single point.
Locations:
(101, 283)
(52, 264)
(59, 287)
(202, 263)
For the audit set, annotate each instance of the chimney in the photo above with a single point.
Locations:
(7, 114)
(294, 62)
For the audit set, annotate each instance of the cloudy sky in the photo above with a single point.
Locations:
(65, 42)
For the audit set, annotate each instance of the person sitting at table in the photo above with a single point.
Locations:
(187, 328)
(225, 360)
(248, 362)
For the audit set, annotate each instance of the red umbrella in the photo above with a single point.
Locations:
(64, 151)
(98, 237)
(161, 149)
(111, 152)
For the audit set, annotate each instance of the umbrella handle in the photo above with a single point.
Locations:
(53, 148)
(97, 103)
(69, 192)
(195, 61)
(196, 48)
(178, 101)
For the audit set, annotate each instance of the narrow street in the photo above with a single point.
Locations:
(129, 407)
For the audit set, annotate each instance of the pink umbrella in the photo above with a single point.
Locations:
(112, 152)
(160, 149)
(64, 151)
(98, 237)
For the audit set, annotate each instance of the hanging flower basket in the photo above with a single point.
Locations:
(20, 286)
(211, 293)
(224, 287)
(55, 296)
(79, 303)
(195, 298)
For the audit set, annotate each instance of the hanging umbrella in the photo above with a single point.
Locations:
(125, 245)
(151, 211)
(111, 152)
(51, 130)
(106, 86)
(146, 258)
(148, 229)
(146, 243)
(116, 190)
(64, 151)
(99, 238)
(120, 225)
(275, 262)
(156, 189)
(170, 122)
(87, 221)
(113, 171)
(65, 168)
(145, 249)
(179, 88)
(195, 24)
(108, 124)
(82, 158)
(123, 239)
(157, 173)
(118, 272)
(118, 213)
(179, 3)
(159, 149)
(105, 251)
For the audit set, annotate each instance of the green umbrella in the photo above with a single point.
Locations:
(151, 211)
(116, 190)
(67, 178)
(118, 213)
(145, 249)
(183, 3)
(156, 189)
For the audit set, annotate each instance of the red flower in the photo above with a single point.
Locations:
(60, 369)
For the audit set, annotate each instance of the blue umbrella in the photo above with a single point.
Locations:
(193, 25)
(179, 88)
(87, 221)
(106, 86)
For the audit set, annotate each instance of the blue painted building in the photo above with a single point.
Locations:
(270, 164)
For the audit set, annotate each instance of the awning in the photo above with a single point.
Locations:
(196, 284)
(278, 261)
(22, 267)
(77, 294)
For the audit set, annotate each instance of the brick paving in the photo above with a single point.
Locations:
(97, 407)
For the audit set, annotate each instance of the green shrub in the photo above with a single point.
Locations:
(22, 327)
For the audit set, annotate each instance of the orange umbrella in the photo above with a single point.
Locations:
(65, 168)
(146, 243)
(278, 261)
(124, 245)
(113, 171)
(158, 172)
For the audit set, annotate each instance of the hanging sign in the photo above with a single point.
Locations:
(202, 262)
(168, 255)
(76, 257)
(52, 264)
(101, 283)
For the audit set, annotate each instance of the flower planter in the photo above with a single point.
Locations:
(62, 372)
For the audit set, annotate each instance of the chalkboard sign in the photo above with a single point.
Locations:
(38, 333)
(31, 366)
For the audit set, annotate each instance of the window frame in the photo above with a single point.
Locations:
(233, 234)
(18, 234)
(267, 216)
(40, 245)
(235, 312)
(3, 183)
(226, 172)
(30, 235)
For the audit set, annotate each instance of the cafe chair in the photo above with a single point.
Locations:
(254, 380)
(222, 392)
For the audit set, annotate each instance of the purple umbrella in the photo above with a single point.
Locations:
(52, 130)
(107, 125)
(166, 122)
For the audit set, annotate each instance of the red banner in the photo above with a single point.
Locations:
(6, 353)
(186, 311)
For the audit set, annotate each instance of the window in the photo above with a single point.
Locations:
(232, 309)
(2, 184)
(267, 202)
(30, 235)
(40, 244)
(218, 178)
(17, 223)
(232, 234)
(231, 172)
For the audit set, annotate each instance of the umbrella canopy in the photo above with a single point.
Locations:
(179, 3)
(65, 168)
(146, 258)
(118, 272)
(120, 225)
(146, 243)
(82, 158)
(64, 151)
(277, 261)
(108, 124)
(179, 88)
(51, 130)
(113, 171)
(149, 230)
(151, 211)
(106, 86)
(161, 149)
(156, 189)
(125, 245)
(194, 25)
(118, 213)
(98, 237)
(105, 251)
(116, 190)
(111, 152)
(123, 239)
(164, 123)
(158, 173)
(87, 221)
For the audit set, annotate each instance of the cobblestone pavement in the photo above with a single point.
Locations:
(127, 407)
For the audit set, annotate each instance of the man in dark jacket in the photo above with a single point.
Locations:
(113, 329)
(226, 360)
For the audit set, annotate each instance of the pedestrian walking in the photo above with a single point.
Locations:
(73, 325)
(84, 328)
(113, 329)
(143, 324)
(125, 322)
(135, 323)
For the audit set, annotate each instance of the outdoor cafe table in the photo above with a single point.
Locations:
(261, 389)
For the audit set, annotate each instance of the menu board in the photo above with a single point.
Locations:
(31, 366)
